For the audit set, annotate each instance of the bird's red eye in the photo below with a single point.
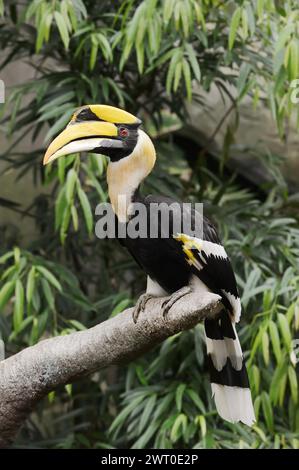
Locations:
(123, 132)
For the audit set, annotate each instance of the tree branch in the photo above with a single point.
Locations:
(29, 375)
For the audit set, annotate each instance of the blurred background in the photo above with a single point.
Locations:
(215, 83)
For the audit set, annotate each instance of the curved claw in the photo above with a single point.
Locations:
(140, 306)
(168, 303)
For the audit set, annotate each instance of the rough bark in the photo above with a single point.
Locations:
(29, 375)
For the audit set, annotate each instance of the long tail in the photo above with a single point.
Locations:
(229, 379)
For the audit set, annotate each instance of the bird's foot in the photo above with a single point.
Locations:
(168, 303)
(140, 305)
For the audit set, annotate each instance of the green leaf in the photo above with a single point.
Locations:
(6, 293)
(78, 325)
(65, 223)
(244, 24)
(177, 76)
(50, 277)
(75, 218)
(293, 63)
(60, 204)
(285, 330)
(147, 412)
(267, 410)
(18, 314)
(179, 396)
(193, 61)
(260, 8)
(121, 417)
(61, 169)
(146, 436)
(234, 25)
(283, 37)
(196, 400)
(84, 202)
(17, 255)
(265, 348)
(62, 28)
(274, 335)
(122, 305)
(71, 180)
(293, 383)
(203, 425)
(277, 381)
(6, 256)
(51, 396)
(30, 285)
(180, 422)
(93, 54)
(48, 294)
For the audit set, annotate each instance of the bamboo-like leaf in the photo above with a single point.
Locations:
(265, 348)
(284, 37)
(78, 325)
(176, 57)
(277, 380)
(6, 293)
(18, 314)
(244, 23)
(30, 285)
(147, 412)
(168, 9)
(180, 422)
(71, 181)
(196, 400)
(62, 28)
(6, 256)
(293, 383)
(50, 277)
(267, 410)
(17, 255)
(274, 335)
(260, 8)
(285, 330)
(177, 76)
(187, 77)
(75, 218)
(84, 202)
(60, 204)
(48, 294)
(93, 54)
(234, 25)
(179, 396)
(193, 61)
(203, 425)
(293, 63)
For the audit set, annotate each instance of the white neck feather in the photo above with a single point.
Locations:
(125, 176)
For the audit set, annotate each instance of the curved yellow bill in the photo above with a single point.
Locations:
(79, 137)
(112, 114)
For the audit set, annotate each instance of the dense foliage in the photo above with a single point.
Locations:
(148, 57)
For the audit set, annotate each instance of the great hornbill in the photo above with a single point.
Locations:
(174, 265)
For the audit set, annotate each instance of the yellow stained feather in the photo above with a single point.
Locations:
(189, 243)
